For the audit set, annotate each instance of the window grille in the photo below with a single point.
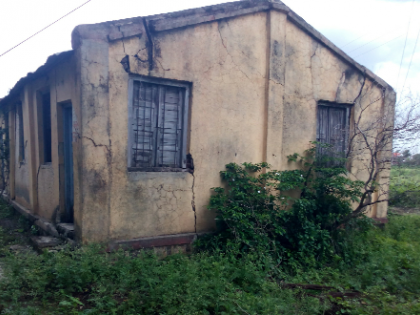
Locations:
(158, 125)
(333, 129)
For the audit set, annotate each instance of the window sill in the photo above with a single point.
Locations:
(159, 169)
(46, 165)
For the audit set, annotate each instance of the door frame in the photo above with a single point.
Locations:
(61, 162)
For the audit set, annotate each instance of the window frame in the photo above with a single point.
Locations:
(44, 137)
(348, 107)
(21, 133)
(185, 123)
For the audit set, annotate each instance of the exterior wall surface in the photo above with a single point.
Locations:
(60, 83)
(255, 82)
(33, 184)
(311, 72)
(22, 184)
(226, 63)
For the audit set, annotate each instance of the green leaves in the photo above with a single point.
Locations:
(291, 214)
(404, 189)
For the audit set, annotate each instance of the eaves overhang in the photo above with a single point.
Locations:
(51, 62)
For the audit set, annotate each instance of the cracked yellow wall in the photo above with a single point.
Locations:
(226, 64)
(255, 83)
(309, 73)
(22, 184)
(37, 184)
(60, 84)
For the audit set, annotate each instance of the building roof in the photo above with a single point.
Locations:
(51, 62)
(113, 30)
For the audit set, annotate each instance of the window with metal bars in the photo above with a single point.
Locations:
(333, 130)
(158, 123)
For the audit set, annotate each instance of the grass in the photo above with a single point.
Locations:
(405, 186)
(384, 268)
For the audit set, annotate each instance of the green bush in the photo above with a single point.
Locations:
(292, 215)
(404, 188)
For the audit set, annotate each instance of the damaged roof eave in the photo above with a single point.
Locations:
(51, 62)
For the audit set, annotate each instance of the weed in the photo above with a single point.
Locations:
(386, 272)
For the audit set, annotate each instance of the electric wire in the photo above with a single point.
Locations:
(379, 46)
(411, 60)
(45, 28)
(366, 34)
(352, 41)
(405, 43)
(373, 40)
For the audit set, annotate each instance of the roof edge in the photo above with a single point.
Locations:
(300, 22)
(51, 62)
(118, 29)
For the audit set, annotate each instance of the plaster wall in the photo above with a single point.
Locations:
(21, 185)
(22, 166)
(308, 72)
(255, 80)
(225, 62)
(255, 84)
(93, 143)
(60, 83)
(36, 185)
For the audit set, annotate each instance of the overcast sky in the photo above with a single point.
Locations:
(373, 32)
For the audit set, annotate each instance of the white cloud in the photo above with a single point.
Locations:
(373, 32)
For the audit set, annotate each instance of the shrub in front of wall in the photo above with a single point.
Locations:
(292, 215)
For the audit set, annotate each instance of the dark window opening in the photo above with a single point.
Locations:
(46, 127)
(20, 136)
(157, 126)
(332, 133)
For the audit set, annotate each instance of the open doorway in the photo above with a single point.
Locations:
(65, 114)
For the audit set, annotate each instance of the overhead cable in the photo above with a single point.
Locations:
(411, 60)
(45, 28)
(379, 46)
(393, 29)
(405, 43)
(357, 48)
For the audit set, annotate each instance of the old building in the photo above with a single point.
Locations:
(125, 134)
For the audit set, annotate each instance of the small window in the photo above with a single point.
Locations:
(20, 139)
(333, 129)
(158, 124)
